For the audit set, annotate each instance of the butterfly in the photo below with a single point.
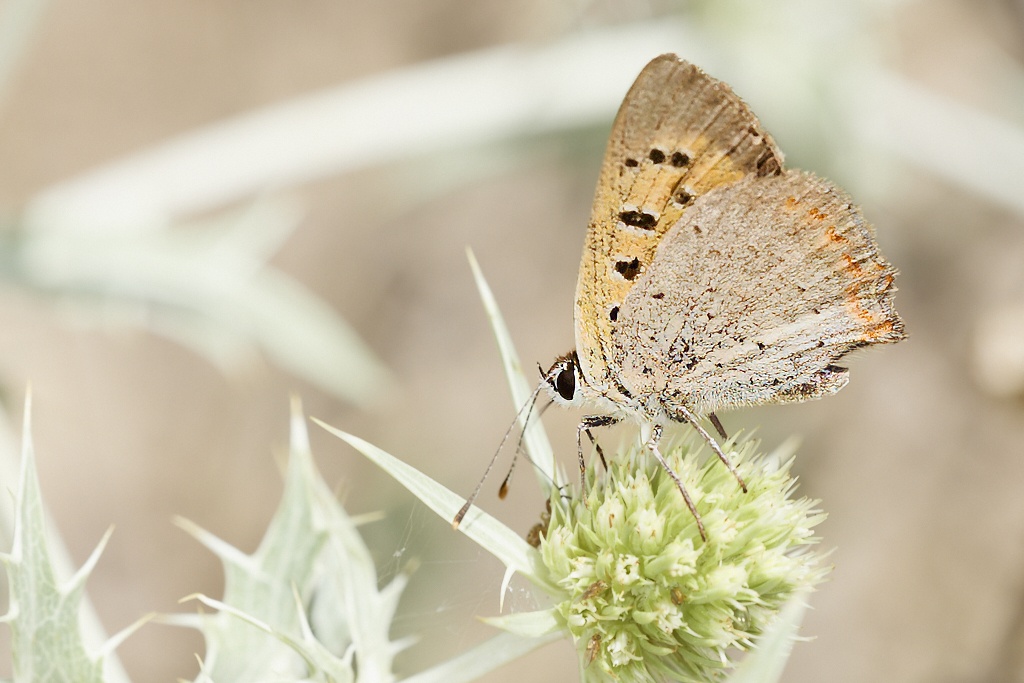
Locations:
(712, 277)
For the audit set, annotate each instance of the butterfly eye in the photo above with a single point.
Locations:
(565, 382)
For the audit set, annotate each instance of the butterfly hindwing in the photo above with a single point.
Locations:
(754, 296)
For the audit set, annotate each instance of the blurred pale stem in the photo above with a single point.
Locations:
(18, 21)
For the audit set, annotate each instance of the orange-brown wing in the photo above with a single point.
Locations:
(678, 134)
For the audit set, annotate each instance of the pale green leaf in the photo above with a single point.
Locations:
(513, 551)
(310, 557)
(536, 624)
(46, 644)
(534, 437)
(260, 586)
(766, 662)
(459, 101)
(481, 660)
(207, 286)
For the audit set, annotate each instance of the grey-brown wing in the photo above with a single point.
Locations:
(754, 295)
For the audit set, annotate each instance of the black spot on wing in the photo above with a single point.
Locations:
(682, 197)
(628, 269)
(767, 164)
(639, 219)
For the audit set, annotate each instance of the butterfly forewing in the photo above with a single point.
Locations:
(678, 135)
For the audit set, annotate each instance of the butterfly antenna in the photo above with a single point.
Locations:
(476, 492)
(545, 376)
(503, 491)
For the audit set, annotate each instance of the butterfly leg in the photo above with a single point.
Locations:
(597, 447)
(684, 415)
(585, 425)
(718, 426)
(652, 446)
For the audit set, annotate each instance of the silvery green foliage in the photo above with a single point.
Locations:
(755, 572)
(209, 285)
(44, 612)
(768, 546)
(305, 605)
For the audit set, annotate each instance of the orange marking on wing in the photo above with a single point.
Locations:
(875, 327)
(852, 266)
(882, 329)
(864, 315)
(875, 324)
(833, 236)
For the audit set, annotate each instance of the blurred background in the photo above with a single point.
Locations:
(207, 206)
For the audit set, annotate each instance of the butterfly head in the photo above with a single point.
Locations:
(562, 380)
